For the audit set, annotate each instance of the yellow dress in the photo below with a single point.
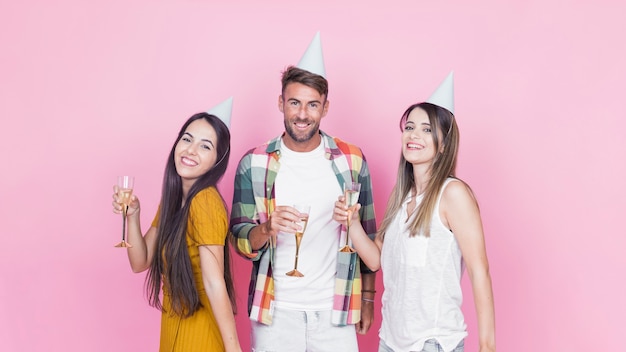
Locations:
(208, 224)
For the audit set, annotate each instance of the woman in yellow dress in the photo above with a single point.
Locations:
(188, 236)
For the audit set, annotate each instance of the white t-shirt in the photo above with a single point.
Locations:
(307, 178)
(422, 280)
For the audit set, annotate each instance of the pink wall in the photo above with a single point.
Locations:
(90, 90)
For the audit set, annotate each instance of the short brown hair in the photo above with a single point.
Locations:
(297, 75)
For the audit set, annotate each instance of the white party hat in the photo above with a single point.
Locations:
(223, 110)
(313, 58)
(444, 94)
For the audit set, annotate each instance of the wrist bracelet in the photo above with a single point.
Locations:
(367, 300)
(370, 291)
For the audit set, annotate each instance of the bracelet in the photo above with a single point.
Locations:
(370, 291)
(367, 300)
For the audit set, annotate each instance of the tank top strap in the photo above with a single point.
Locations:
(445, 183)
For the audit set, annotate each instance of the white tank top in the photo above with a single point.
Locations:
(422, 279)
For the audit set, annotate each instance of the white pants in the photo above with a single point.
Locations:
(294, 331)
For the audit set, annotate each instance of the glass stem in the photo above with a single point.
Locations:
(295, 264)
(124, 210)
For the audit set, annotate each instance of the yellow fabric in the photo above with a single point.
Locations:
(207, 225)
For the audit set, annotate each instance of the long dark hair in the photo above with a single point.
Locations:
(171, 265)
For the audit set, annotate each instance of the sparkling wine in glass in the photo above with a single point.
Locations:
(124, 192)
(302, 222)
(351, 192)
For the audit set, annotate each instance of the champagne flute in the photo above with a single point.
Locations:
(124, 192)
(304, 219)
(351, 191)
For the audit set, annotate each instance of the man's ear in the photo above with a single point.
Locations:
(280, 103)
(325, 109)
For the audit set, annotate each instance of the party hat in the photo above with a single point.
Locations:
(444, 94)
(223, 110)
(313, 58)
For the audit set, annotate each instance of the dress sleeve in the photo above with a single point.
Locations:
(208, 219)
(155, 221)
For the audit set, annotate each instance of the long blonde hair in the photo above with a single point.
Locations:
(443, 126)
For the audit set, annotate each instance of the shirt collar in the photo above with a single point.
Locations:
(330, 147)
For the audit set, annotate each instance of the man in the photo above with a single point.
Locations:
(321, 310)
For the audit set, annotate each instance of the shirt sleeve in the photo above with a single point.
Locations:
(366, 199)
(244, 216)
(208, 219)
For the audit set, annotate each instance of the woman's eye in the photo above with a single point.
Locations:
(427, 130)
(207, 147)
(186, 139)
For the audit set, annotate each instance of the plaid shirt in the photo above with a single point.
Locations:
(254, 200)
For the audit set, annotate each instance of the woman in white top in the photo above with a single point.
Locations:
(431, 231)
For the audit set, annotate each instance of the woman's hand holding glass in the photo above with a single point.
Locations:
(118, 205)
(351, 191)
(125, 203)
(346, 215)
(342, 211)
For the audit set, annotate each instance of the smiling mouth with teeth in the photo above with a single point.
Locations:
(188, 162)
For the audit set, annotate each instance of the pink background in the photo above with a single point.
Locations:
(93, 89)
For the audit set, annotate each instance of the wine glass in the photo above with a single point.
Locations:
(304, 219)
(351, 191)
(124, 191)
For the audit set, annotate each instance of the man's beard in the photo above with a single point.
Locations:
(301, 138)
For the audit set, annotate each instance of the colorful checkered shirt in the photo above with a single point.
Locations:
(254, 200)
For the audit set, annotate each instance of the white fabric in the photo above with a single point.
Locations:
(294, 330)
(307, 178)
(422, 280)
